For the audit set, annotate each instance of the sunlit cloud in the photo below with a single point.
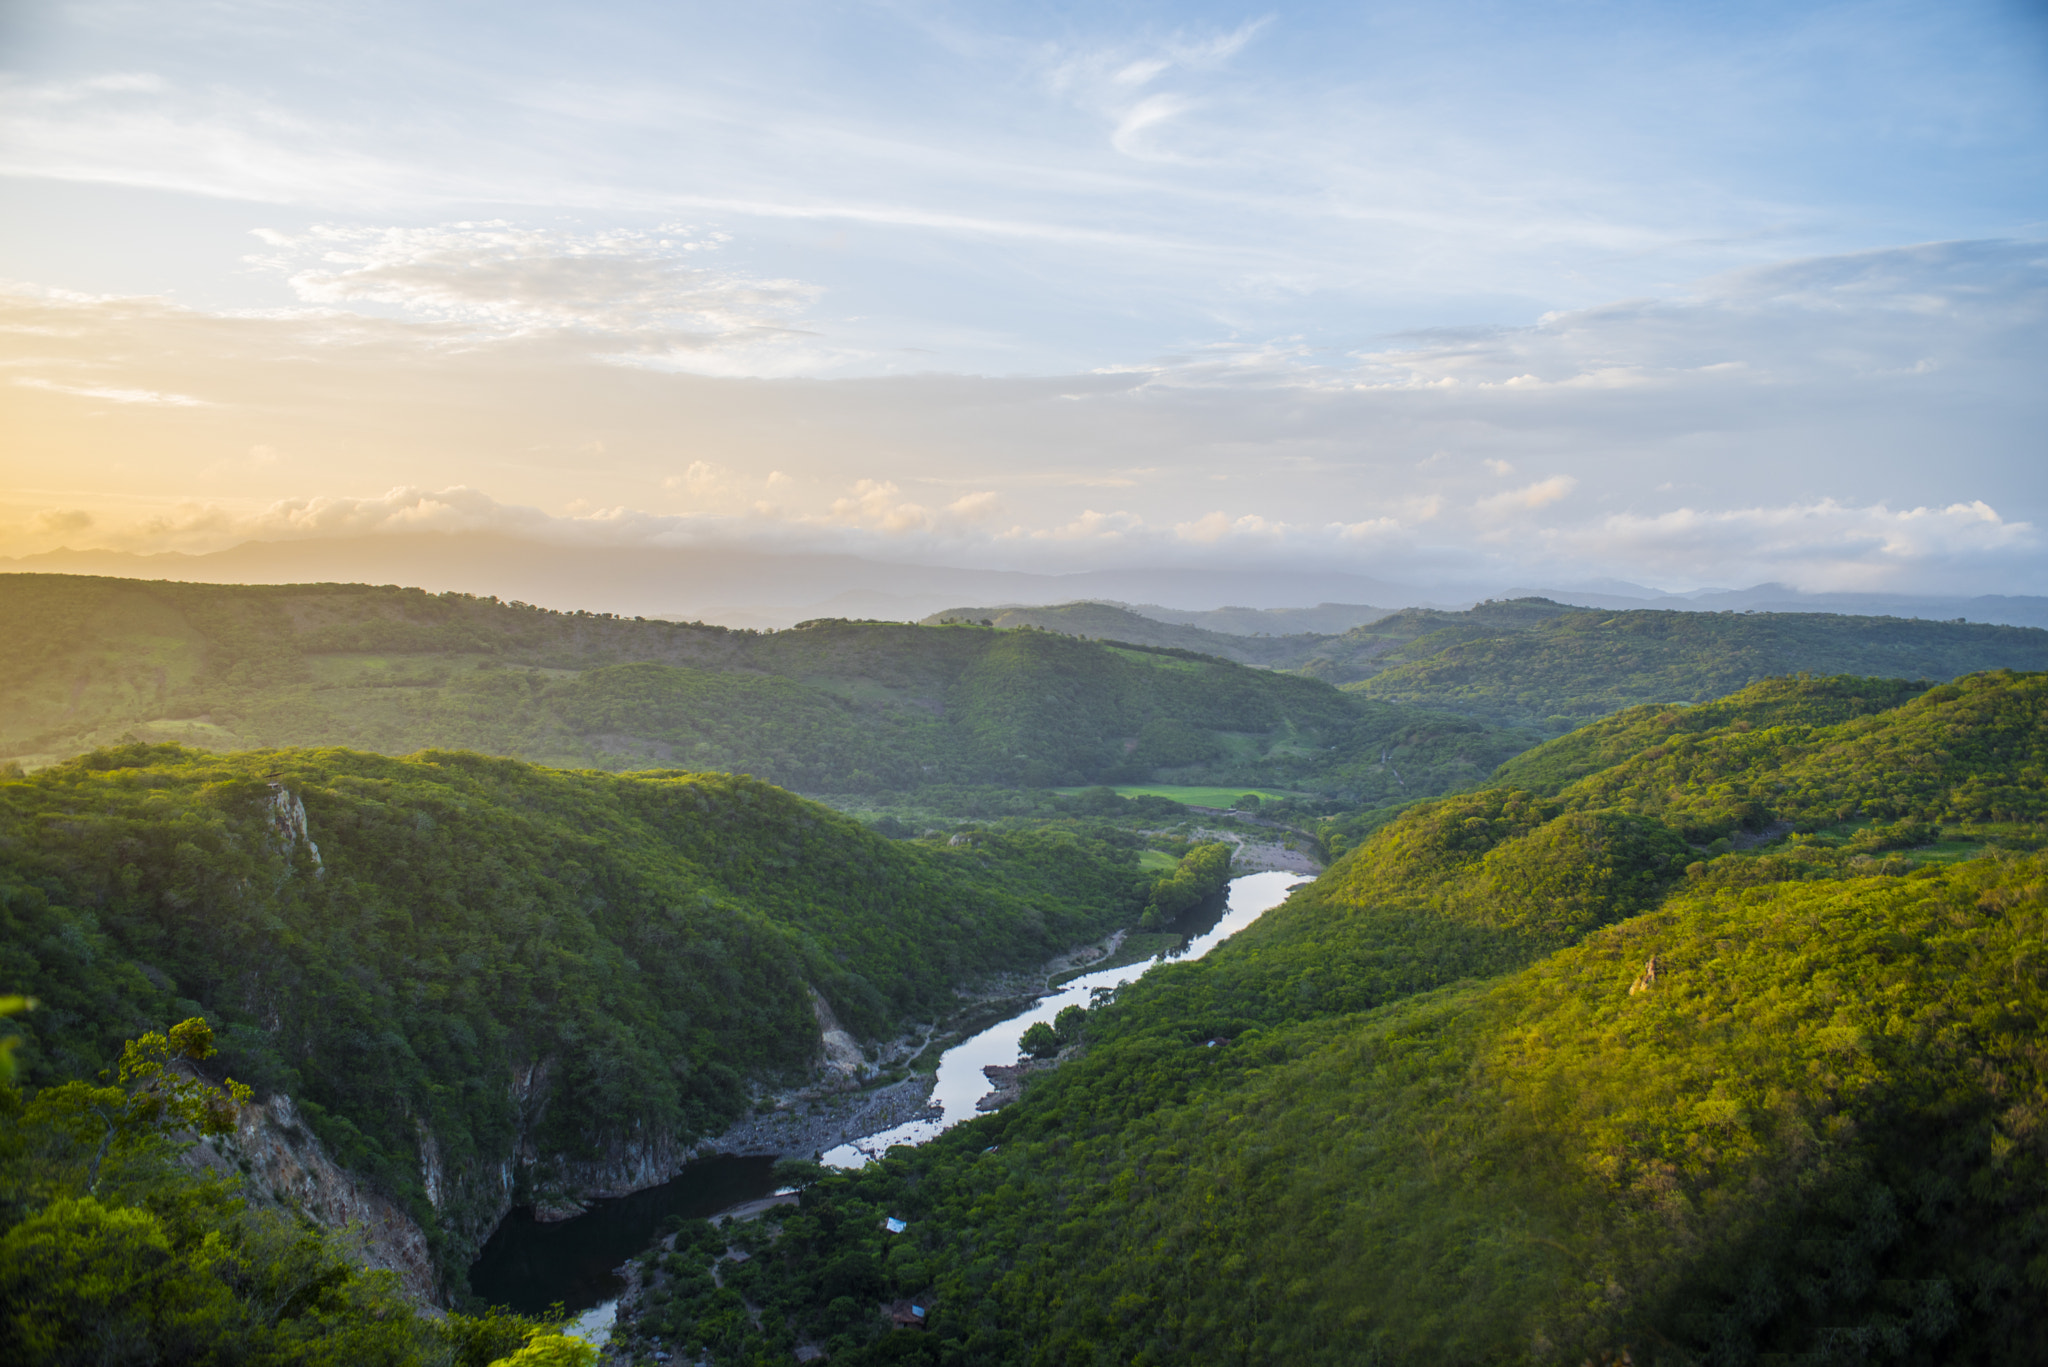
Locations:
(1804, 424)
(60, 522)
(111, 394)
(1821, 546)
(1531, 496)
(1824, 545)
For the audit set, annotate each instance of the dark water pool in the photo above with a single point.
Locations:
(528, 1265)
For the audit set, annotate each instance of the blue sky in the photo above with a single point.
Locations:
(1688, 294)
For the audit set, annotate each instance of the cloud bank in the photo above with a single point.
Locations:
(1818, 547)
(1862, 422)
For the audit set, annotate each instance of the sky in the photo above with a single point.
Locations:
(1685, 295)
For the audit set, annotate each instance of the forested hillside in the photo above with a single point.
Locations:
(1724, 1050)
(1532, 662)
(113, 1249)
(1108, 622)
(869, 707)
(831, 707)
(509, 968)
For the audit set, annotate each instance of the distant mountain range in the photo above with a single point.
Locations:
(753, 588)
(1537, 662)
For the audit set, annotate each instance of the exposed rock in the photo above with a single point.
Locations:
(430, 1165)
(1086, 954)
(284, 1163)
(842, 1053)
(1267, 856)
(620, 1168)
(826, 1122)
(548, 1210)
(1008, 1080)
(287, 817)
(1645, 980)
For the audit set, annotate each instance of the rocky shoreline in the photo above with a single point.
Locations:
(287, 1165)
(804, 1129)
(1008, 1081)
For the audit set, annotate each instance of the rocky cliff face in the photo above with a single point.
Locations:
(284, 1164)
(828, 1114)
(286, 814)
(626, 1165)
(842, 1051)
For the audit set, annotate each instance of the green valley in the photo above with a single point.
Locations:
(831, 707)
(1705, 1031)
(1722, 1055)
(476, 959)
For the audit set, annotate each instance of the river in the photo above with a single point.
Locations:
(961, 1083)
(529, 1266)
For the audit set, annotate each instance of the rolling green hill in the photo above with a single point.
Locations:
(397, 943)
(1539, 1076)
(1108, 622)
(830, 707)
(866, 708)
(1532, 662)
(1708, 1032)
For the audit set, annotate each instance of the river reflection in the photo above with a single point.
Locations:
(529, 1266)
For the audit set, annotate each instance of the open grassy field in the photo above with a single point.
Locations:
(1194, 795)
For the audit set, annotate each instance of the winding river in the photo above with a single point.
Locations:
(530, 1266)
(961, 1083)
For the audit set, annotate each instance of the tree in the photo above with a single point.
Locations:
(798, 1173)
(1070, 1024)
(11, 1006)
(149, 1097)
(84, 1284)
(549, 1349)
(1039, 1041)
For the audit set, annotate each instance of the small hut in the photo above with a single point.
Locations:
(907, 1314)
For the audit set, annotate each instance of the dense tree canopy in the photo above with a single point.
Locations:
(1532, 1077)
(829, 707)
(120, 1253)
(391, 941)
(1530, 660)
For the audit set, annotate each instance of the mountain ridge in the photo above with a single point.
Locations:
(754, 587)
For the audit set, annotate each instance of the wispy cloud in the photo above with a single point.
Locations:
(1116, 83)
(653, 289)
(110, 394)
(142, 129)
